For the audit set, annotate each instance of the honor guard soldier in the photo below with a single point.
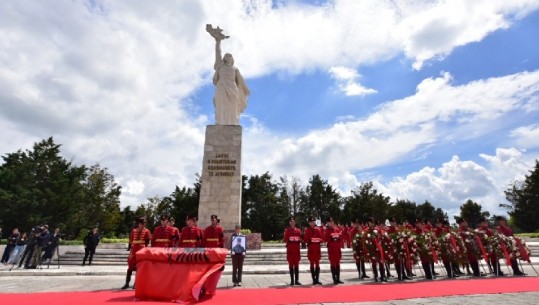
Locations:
(313, 237)
(470, 243)
(493, 260)
(360, 262)
(191, 236)
(162, 235)
(213, 234)
(334, 241)
(374, 254)
(505, 230)
(175, 233)
(292, 238)
(138, 239)
(425, 254)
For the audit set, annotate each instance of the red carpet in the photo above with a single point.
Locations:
(300, 295)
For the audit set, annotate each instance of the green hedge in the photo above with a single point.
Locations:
(529, 235)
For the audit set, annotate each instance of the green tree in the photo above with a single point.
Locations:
(523, 197)
(366, 202)
(263, 209)
(101, 202)
(403, 210)
(127, 223)
(321, 200)
(39, 186)
(183, 202)
(472, 212)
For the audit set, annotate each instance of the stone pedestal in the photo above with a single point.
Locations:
(220, 191)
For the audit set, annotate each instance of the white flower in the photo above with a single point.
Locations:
(375, 231)
(369, 235)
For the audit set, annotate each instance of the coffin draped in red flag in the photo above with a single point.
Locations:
(180, 275)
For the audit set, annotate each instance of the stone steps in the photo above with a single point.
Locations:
(256, 257)
(270, 256)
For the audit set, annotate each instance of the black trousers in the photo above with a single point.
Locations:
(237, 267)
(88, 252)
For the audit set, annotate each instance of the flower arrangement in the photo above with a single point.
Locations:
(453, 248)
(519, 249)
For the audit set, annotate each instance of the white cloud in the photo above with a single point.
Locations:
(112, 81)
(346, 79)
(457, 181)
(402, 129)
(527, 136)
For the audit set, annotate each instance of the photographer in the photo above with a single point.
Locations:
(91, 240)
(41, 241)
(51, 245)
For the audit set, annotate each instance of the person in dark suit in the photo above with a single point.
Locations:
(238, 255)
(91, 240)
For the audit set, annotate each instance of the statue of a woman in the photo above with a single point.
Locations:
(231, 92)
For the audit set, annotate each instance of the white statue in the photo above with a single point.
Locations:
(231, 92)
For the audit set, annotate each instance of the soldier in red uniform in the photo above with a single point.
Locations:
(162, 235)
(200, 232)
(292, 238)
(505, 230)
(392, 231)
(191, 235)
(360, 262)
(213, 234)
(313, 237)
(175, 233)
(333, 238)
(138, 239)
(425, 253)
(493, 260)
(470, 243)
(439, 231)
(347, 236)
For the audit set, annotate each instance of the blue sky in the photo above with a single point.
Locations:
(434, 100)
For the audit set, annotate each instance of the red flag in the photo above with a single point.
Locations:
(522, 250)
(434, 254)
(454, 242)
(380, 249)
(483, 252)
(506, 254)
(408, 258)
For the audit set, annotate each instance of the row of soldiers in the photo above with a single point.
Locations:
(167, 235)
(404, 246)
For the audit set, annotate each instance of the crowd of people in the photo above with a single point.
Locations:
(405, 246)
(33, 249)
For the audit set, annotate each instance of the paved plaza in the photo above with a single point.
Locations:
(111, 277)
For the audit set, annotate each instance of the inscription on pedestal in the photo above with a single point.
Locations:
(221, 166)
(220, 192)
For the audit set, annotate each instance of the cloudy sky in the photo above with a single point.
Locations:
(431, 100)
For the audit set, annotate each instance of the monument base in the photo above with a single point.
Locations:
(220, 191)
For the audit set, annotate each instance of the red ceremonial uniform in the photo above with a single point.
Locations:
(175, 236)
(214, 237)
(505, 230)
(191, 237)
(333, 239)
(472, 258)
(392, 229)
(138, 239)
(313, 237)
(292, 238)
(353, 232)
(162, 237)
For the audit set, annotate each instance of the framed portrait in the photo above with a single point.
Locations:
(238, 244)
